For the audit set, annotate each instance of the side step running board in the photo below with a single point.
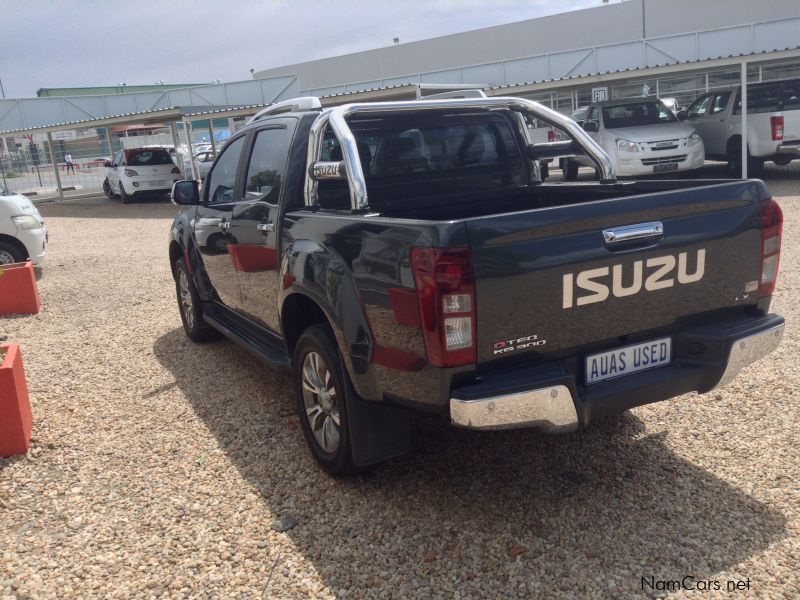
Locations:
(261, 346)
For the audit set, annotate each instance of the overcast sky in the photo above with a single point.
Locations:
(81, 42)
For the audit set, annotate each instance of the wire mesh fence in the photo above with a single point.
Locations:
(35, 165)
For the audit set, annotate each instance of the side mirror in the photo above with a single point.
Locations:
(185, 193)
(681, 114)
(107, 163)
(590, 127)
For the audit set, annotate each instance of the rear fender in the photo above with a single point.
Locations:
(323, 276)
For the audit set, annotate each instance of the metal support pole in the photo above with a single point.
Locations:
(211, 134)
(110, 147)
(187, 126)
(744, 120)
(174, 131)
(55, 165)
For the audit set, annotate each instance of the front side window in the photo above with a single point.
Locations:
(267, 161)
(699, 107)
(637, 114)
(720, 102)
(222, 179)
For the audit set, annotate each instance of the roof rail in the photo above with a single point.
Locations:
(292, 105)
(456, 94)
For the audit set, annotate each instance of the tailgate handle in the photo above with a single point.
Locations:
(627, 233)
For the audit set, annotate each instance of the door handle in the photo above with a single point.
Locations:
(224, 225)
(627, 233)
(265, 227)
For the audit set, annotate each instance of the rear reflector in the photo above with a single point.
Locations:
(771, 228)
(446, 295)
(776, 123)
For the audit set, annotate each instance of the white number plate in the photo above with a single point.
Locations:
(159, 183)
(627, 360)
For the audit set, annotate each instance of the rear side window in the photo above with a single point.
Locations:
(267, 163)
(147, 157)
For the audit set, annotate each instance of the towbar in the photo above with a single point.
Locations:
(336, 117)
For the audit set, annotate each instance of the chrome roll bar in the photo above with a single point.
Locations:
(336, 117)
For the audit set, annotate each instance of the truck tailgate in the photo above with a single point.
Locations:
(548, 281)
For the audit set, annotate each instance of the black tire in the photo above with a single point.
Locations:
(331, 376)
(544, 171)
(570, 170)
(189, 306)
(108, 190)
(755, 165)
(10, 254)
(125, 197)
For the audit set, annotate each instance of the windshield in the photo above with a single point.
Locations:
(637, 114)
(148, 157)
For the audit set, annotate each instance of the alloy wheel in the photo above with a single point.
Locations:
(6, 258)
(186, 299)
(321, 402)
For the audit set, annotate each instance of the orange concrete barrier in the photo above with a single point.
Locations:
(18, 292)
(15, 407)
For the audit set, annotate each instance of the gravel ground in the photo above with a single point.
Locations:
(163, 468)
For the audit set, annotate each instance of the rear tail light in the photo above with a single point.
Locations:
(446, 294)
(551, 136)
(131, 173)
(771, 227)
(176, 171)
(776, 123)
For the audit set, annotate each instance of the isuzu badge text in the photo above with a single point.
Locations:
(657, 278)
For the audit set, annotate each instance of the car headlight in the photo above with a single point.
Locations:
(626, 145)
(693, 139)
(26, 222)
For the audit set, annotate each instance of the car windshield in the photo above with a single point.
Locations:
(148, 157)
(637, 114)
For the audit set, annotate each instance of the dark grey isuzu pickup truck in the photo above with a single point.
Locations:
(403, 257)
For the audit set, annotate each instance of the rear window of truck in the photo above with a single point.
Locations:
(771, 97)
(418, 156)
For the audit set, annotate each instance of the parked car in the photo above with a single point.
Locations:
(203, 160)
(23, 235)
(641, 136)
(140, 171)
(403, 258)
(773, 124)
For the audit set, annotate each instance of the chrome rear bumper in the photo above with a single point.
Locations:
(553, 409)
(749, 349)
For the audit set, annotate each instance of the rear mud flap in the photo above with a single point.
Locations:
(378, 431)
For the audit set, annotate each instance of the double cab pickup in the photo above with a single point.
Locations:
(406, 257)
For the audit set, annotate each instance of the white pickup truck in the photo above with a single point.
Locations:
(773, 124)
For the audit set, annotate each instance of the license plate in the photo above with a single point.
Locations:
(665, 167)
(627, 360)
(159, 183)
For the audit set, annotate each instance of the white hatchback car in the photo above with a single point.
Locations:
(641, 136)
(23, 235)
(139, 171)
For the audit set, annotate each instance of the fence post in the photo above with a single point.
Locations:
(55, 164)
